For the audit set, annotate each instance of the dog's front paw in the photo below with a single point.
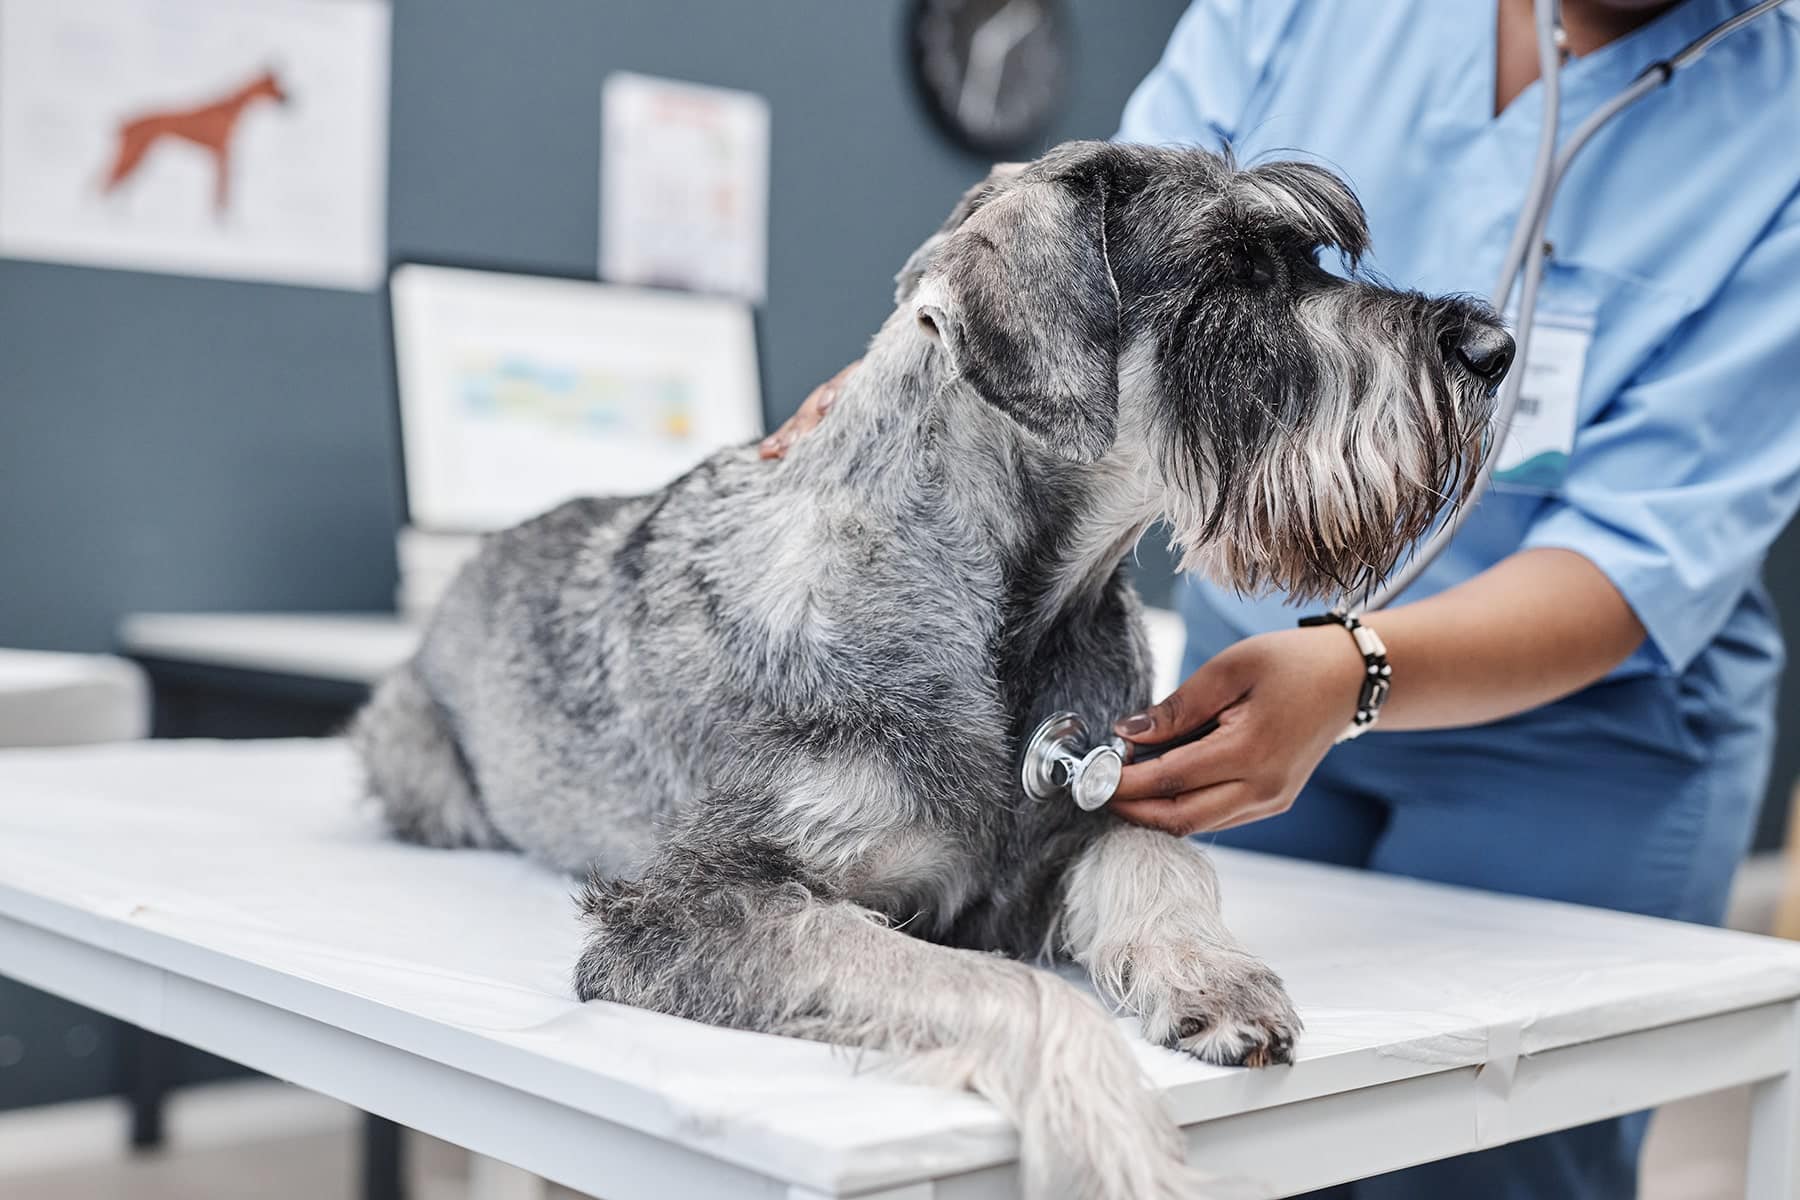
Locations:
(1237, 1015)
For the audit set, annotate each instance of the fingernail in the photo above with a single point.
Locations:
(1133, 725)
(827, 400)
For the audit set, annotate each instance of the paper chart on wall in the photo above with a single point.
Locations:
(237, 138)
(684, 186)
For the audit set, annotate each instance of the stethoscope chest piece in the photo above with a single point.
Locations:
(1059, 763)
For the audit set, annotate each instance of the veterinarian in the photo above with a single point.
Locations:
(1584, 683)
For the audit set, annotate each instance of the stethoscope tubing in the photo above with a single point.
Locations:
(1523, 266)
(1526, 252)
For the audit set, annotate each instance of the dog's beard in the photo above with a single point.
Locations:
(1383, 438)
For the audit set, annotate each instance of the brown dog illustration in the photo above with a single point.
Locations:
(210, 126)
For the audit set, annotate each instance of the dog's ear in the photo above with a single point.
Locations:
(1021, 296)
(920, 260)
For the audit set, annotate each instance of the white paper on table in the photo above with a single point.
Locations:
(518, 392)
(86, 85)
(684, 186)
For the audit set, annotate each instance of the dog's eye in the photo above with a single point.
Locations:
(1251, 267)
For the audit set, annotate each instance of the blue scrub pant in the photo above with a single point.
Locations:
(1638, 795)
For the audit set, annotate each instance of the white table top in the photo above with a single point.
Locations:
(351, 647)
(250, 866)
(362, 647)
(52, 699)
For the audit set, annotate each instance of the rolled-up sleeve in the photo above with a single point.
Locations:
(1197, 93)
(1679, 486)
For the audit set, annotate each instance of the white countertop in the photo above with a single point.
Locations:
(251, 868)
(349, 647)
(52, 699)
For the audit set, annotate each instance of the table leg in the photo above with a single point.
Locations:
(1774, 1166)
(149, 1068)
(383, 1159)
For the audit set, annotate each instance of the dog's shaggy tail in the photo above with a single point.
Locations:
(414, 769)
(740, 947)
(1052, 1061)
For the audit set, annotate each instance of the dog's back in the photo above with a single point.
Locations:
(411, 735)
(593, 671)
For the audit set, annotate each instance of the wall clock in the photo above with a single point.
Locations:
(992, 72)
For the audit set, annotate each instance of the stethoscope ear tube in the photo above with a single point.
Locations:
(1059, 759)
(1525, 253)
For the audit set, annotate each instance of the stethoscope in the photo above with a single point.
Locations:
(1060, 757)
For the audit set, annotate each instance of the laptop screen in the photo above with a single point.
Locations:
(518, 392)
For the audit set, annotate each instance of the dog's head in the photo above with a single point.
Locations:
(269, 84)
(1307, 425)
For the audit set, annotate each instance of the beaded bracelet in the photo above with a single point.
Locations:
(1377, 674)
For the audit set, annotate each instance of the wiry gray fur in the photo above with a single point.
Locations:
(776, 709)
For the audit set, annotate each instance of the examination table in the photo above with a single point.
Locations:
(235, 896)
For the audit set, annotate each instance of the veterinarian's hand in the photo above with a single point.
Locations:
(810, 414)
(1281, 700)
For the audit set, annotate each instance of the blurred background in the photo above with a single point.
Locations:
(200, 394)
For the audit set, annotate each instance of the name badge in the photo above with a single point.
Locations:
(1535, 453)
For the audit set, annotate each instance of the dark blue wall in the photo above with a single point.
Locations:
(171, 443)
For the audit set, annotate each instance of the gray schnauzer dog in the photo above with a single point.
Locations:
(776, 710)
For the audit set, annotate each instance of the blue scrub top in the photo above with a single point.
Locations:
(1677, 233)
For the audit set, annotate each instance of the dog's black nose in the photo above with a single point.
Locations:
(1486, 351)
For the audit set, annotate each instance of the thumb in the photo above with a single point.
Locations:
(1200, 698)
